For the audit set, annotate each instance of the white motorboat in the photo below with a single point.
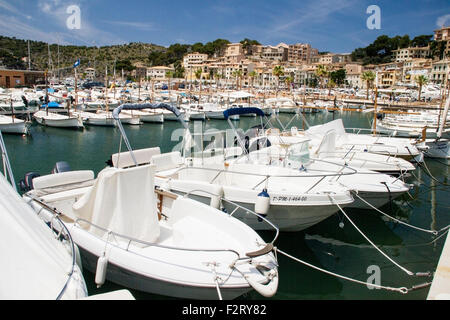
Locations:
(52, 119)
(327, 149)
(125, 118)
(146, 116)
(95, 119)
(375, 188)
(385, 145)
(10, 124)
(155, 241)
(38, 263)
(440, 146)
(412, 125)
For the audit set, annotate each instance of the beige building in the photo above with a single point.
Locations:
(405, 54)
(234, 53)
(440, 71)
(278, 53)
(443, 34)
(158, 73)
(414, 67)
(194, 59)
(332, 58)
(89, 73)
(301, 53)
(388, 74)
(353, 73)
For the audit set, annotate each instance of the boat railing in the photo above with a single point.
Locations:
(7, 171)
(370, 130)
(152, 244)
(62, 233)
(267, 177)
(368, 147)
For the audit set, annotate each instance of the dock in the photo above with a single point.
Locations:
(440, 287)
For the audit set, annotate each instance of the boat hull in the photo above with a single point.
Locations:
(285, 217)
(136, 281)
(60, 123)
(17, 128)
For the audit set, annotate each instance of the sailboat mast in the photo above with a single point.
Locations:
(106, 91)
(375, 112)
(29, 56)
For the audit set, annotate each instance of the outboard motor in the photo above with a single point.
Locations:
(26, 184)
(61, 166)
(25, 101)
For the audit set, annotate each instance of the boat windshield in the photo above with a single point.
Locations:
(299, 153)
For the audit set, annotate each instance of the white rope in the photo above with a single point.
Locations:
(402, 290)
(368, 240)
(434, 232)
(216, 279)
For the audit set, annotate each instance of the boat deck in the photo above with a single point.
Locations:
(440, 288)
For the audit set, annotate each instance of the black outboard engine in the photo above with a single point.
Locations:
(26, 184)
(25, 101)
(61, 166)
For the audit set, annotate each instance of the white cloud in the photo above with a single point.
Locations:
(442, 20)
(146, 26)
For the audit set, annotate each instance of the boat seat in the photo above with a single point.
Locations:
(64, 195)
(167, 161)
(142, 156)
(63, 181)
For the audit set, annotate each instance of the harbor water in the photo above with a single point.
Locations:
(333, 244)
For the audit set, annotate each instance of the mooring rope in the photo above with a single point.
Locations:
(434, 232)
(378, 249)
(402, 290)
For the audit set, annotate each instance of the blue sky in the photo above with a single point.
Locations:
(328, 25)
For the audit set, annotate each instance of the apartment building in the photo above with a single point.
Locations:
(414, 67)
(353, 73)
(277, 53)
(443, 34)
(234, 53)
(440, 71)
(405, 54)
(194, 59)
(301, 53)
(388, 74)
(331, 58)
(158, 72)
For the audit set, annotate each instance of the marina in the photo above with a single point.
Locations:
(331, 244)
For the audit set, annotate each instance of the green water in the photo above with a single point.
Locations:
(326, 245)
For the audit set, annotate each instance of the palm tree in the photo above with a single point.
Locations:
(420, 80)
(198, 75)
(278, 71)
(321, 72)
(331, 84)
(368, 77)
(238, 74)
(288, 82)
(252, 76)
(169, 75)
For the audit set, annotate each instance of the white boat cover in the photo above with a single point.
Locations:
(321, 129)
(122, 201)
(34, 264)
(328, 144)
(142, 156)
